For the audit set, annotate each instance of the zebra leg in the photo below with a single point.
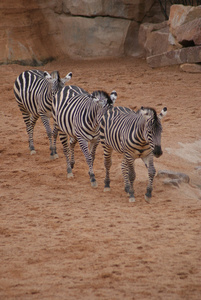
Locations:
(93, 145)
(84, 147)
(107, 164)
(30, 127)
(54, 149)
(124, 168)
(73, 142)
(129, 176)
(64, 140)
(132, 175)
(45, 120)
(149, 163)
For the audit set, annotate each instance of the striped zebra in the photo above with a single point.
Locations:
(135, 135)
(79, 117)
(34, 91)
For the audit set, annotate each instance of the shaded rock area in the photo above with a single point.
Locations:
(176, 41)
(172, 177)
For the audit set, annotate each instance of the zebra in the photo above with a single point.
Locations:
(135, 135)
(34, 91)
(79, 117)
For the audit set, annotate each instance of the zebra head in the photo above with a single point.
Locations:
(103, 99)
(153, 128)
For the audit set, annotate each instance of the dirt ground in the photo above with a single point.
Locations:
(62, 239)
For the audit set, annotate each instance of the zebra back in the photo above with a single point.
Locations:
(34, 90)
(79, 114)
(128, 131)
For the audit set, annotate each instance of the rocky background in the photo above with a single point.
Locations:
(36, 31)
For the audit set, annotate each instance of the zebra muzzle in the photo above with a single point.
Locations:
(157, 151)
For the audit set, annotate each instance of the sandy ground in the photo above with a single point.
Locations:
(61, 239)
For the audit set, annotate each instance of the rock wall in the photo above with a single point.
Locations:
(34, 31)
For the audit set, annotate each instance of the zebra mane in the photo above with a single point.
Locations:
(102, 95)
(56, 75)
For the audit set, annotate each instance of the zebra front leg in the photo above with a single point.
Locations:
(73, 142)
(84, 147)
(45, 120)
(151, 173)
(64, 140)
(107, 164)
(54, 149)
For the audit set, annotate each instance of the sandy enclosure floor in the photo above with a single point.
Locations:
(62, 239)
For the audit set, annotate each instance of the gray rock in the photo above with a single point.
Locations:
(154, 38)
(172, 177)
(189, 34)
(126, 9)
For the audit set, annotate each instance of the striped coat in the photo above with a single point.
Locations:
(135, 135)
(34, 91)
(79, 117)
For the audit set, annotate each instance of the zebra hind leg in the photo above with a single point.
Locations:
(30, 123)
(54, 154)
(84, 147)
(46, 123)
(73, 142)
(64, 140)
(107, 164)
(129, 177)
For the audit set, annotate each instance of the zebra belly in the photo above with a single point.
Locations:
(140, 153)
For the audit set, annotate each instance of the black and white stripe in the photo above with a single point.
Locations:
(79, 117)
(135, 135)
(34, 91)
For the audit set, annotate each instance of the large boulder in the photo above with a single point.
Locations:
(185, 24)
(154, 38)
(87, 37)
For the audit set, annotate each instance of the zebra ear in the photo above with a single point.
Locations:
(47, 75)
(113, 96)
(162, 113)
(68, 77)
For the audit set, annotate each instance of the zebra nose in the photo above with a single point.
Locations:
(157, 151)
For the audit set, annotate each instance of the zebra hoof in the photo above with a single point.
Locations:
(94, 184)
(70, 175)
(147, 199)
(106, 189)
(132, 199)
(56, 156)
(33, 152)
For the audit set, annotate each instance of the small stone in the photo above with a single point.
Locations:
(191, 68)
(177, 177)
